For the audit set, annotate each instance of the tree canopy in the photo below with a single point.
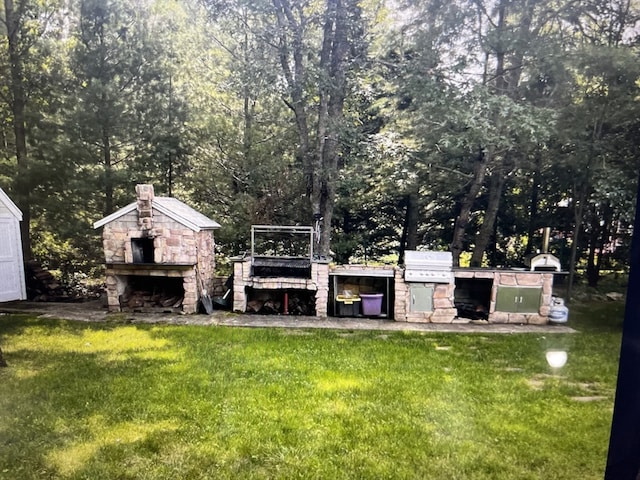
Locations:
(466, 125)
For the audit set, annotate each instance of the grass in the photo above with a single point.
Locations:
(116, 401)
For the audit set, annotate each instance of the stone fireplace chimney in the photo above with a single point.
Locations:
(159, 254)
(145, 195)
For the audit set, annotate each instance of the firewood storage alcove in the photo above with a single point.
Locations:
(473, 297)
(159, 254)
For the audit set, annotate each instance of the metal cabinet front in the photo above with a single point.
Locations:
(518, 299)
(421, 298)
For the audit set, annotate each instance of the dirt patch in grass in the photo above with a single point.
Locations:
(295, 332)
(539, 381)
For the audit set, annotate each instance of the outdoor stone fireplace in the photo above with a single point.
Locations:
(159, 254)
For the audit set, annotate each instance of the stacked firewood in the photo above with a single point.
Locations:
(301, 306)
(297, 305)
(42, 285)
(268, 307)
(136, 299)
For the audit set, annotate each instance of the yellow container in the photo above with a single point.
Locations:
(347, 306)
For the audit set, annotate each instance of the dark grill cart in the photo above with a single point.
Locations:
(350, 285)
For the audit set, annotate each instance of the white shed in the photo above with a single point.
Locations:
(12, 280)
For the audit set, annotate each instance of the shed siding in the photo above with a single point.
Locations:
(12, 282)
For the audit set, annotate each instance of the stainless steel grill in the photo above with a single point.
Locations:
(428, 267)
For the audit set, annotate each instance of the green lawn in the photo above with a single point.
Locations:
(117, 401)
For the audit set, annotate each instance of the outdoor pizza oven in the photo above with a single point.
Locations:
(159, 254)
(545, 262)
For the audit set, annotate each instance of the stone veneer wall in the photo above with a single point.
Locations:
(242, 279)
(523, 279)
(444, 310)
(174, 244)
(515, 279)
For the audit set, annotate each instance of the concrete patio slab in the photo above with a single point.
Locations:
(94, 311)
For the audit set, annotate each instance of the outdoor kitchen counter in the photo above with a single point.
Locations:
(363, 272)
(499, 269)
(504, 295)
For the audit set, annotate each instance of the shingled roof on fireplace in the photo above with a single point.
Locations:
(171, 207)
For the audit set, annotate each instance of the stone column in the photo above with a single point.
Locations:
(145, 195)
(320, 275)
(239, 284)
(401, 297)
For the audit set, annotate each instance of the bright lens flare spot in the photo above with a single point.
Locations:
(556, 358)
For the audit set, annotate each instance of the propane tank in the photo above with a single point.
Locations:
(559, 312)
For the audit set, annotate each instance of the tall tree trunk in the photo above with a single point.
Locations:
(319, 158)
(598, 240)
(533, 204)
(108, 172)
(409, 239)
(486, 155)
(22, 184)
(583, 195)
(496, 185)
(592, 274)
(462, 220)
(578, 217)
(170, 153)
(333, 88)
(605, 231)
(505, 83)
(291, 56)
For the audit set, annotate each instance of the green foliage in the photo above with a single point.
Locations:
(192, 97)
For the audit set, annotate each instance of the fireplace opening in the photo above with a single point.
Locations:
(142, 250)
(152, 293)
(472, 297)
(288, 301)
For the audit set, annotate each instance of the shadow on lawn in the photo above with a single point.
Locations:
(597, 317)
(78, 402)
